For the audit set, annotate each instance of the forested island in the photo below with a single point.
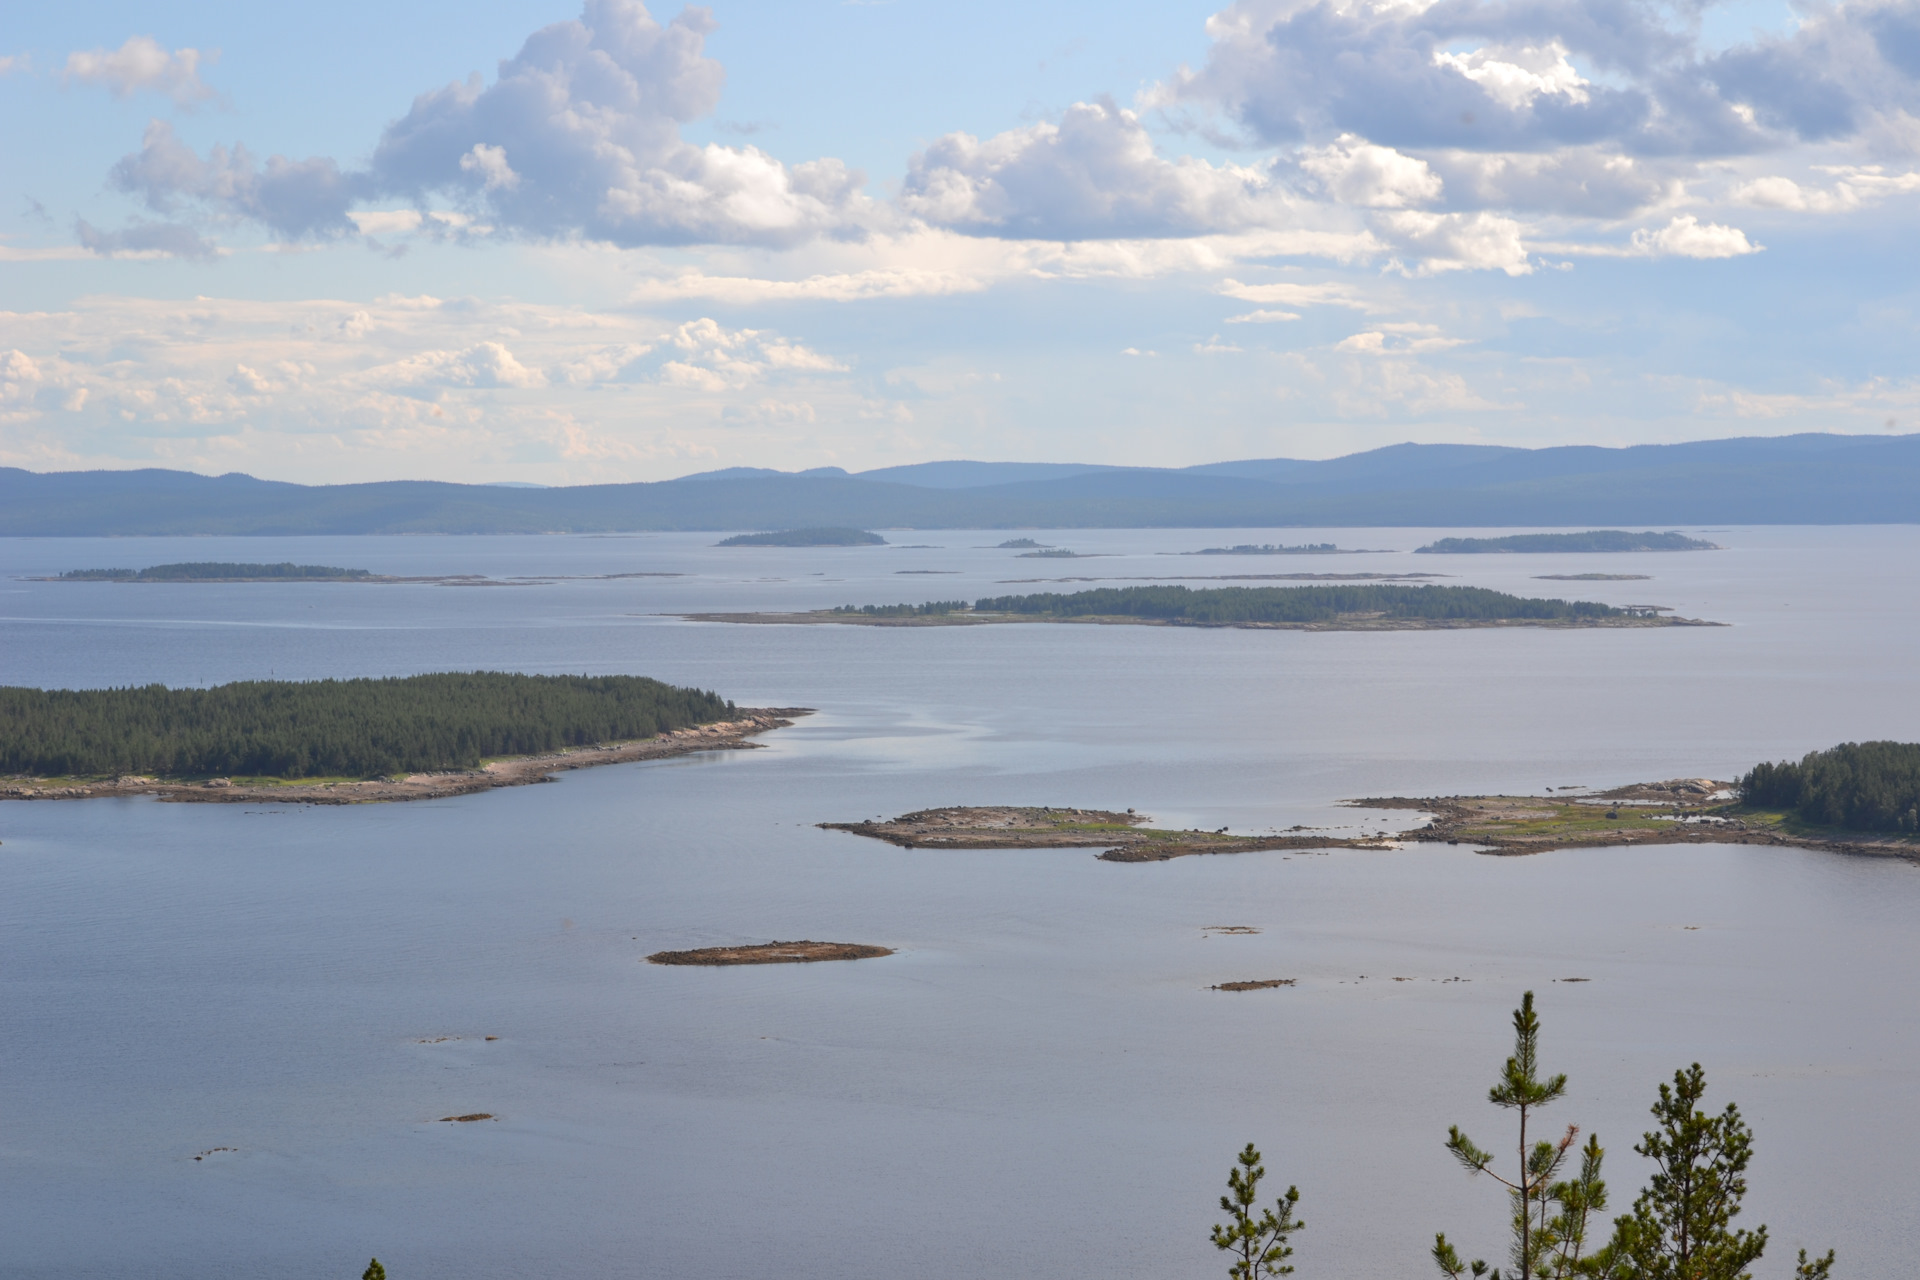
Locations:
(222, 571)
(806, 538)
(267, 734)
(1349, 607)
(1271, 549)
(1591, 540)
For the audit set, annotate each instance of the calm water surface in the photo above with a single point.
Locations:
(1039, 1082)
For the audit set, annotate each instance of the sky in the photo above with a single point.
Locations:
(554, 243)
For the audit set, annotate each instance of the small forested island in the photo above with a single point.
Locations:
(221, 571)
(1273, 549)
(1353, 607)
(344, 741)
(1053, 553)
(1017, 544)
(1593, 577)
(805, 538)
(1591, 540)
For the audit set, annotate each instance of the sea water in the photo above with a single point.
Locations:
(1040, 1082)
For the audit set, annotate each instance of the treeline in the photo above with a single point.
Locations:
(1591, 540)
(1295, 604)
(928, 609)
(204, 570)
(1867, 786)
(1268, 549)
(1680, 1226)
(818, 537)
(333, 728)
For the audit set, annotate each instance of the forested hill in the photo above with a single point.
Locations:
(1806, 479)
(333, 728)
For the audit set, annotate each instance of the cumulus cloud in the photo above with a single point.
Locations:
(1500, 75)
(578, 136)
(294, 198)
(1354, 171)
(1095, 174)
(146, 239)
(142, 65)
(419, 377)
(1854, 187)
(1457, 241)
(1686, 237)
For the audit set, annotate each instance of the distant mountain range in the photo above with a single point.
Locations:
(1802, 479)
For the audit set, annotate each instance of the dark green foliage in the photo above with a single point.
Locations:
(1017, 544)
(1268, 549)
(1258, 1244)
(1549, 1218)
(1294, 604)
(332, 728)
(374, 1271)
(1592, 540)
(806, 538)
(1681, 1227)
(212, 571)
(1868, 786)
(928, 609)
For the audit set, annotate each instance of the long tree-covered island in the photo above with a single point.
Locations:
(1351, 607)
(346, 741)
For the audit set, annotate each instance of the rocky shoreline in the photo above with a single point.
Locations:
(515, 771)
(1356, 622)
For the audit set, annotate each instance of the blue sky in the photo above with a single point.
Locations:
(548, 242)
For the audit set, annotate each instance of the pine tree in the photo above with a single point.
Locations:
(1259, 1244)
(1681, 1226)
(1546, 1243)
(374, 1271)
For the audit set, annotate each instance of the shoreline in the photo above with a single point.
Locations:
(1681, 811)
(825, 617)
(511, 771)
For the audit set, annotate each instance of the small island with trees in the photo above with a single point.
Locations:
(1854, 798)
(1349, 607)
(1275, 549)
(351, 741)
(222, 571)
(805, 538)
(1593, 540)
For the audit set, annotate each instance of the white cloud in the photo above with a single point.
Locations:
(1095, 174)
(579, 136)
(1289, 293)
(213, 382)
(1685, 237)
(490, 165)
(852, 286)
(1263, 316)
(1406, 338)
(13, 63)
(1856, 187)
(1515, 76)
(1458, 241)
(142, 64)
(1354, 171)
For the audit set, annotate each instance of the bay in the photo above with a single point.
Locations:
(1039, 1081)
